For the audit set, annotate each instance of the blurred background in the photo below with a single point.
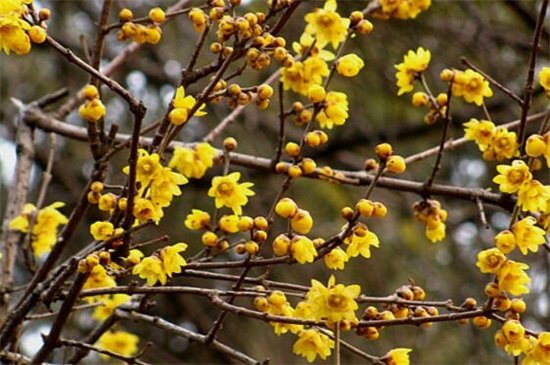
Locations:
(493, 35)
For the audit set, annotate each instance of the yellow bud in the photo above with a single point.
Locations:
(90, 92)
(308, 166)
(481, 322)
(263, 104)
(277, 299)
(216, 48)
(281, 168)
(286, 208)
(264, 91)
(312, 139)
(125, 15)
(365, 208)
(380, 210)
(209, 239)
(469, 303)
(44, 14)
(251, 247)
(122, 204)
(92, 260)
(535, 145)
(292, 149)
(157, 15)
(371, 164)
(294, 171)
(396, 164)
(492, 290)
(223, 245)
(502, 303)
(245, 223)
(355, 17)
(153, 34)
(518, 305)
(261, 223)
(240, 249)
(419, 293)
(371, 333)
(178, 116)
(93, 198)
(305, 116)
(383, 150)
(301, 222)
(97, 187)
(260, 236)
(281, 245)
(346, 213)
(234, 90)
(505, 241)
(500, 339)
(230, 144)
(420, 99)
(316, 93)
(37, 34)
(446, 75)
(261, 303)
(442, 99)
(364, 27)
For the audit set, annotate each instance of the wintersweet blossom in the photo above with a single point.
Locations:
(13, 29)
(544, 79)
(172, 261)
(182, 106)
(398, 356)
(334, 302)
(472, 86)
(528, 236)
(349, 65)
(511, 177)
(193, 162)
(228, 192)
(481, 132)
(512, 277)
(360, 241)
(120, 342)
(312, 343)
(44, 230)
(518, 340)
(540, 351)
(302, 249)
(300, 76)
(335, 110)
(490, 260)
(327, 25)
(533, 196)
(109, 305)
(151, 269)
(413, 64)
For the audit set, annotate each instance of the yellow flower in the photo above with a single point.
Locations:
(165, 186)
(349, 65)
(229, 223)
(98, 278)
(336, 259)
(13, 35)
(182, 106)
(335, 111)
(307, 44)
(151, 268)
(518, 340)
(436, 232)
(335, 302)
(503, 146)
(471, 86)
(511, 177)
(540, 352)
(490, 261)
(505, 241)
(302, 75)
(544, 79)
(109, 305)
(360, 241)
(145, 210)
(399, 356)
(171, 259)
(102, 231)
(413, 64)
(533, 196)
(193, 162)
(327, 25)
(402, 9)
(512, 277)
(302, 249)
(481, 132)
(227, 192)
(120, 342)
(148, 167)
(198, 219)
(528, 236)
(312, 343)
(44, 231)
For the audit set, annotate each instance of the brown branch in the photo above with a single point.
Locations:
(177, 330)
